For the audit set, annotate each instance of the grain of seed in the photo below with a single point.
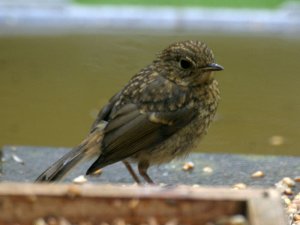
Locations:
(207, 169)
(288, 181)
(238, 220)
(290, 210)
(297, 217)
(188, 166)
(258, 174)
(297, 179)
(80, 180)
(288, 191)
(239, 186)
(286, 200)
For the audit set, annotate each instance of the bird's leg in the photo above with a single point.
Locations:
(131, 171)
(143, 167)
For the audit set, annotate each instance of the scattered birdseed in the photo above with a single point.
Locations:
(291, 201)
(297, 217)
(80, 180)
(297, 179)
(288, 191)
(286, 200)
(288, 181)
(239, 186)
(258, 174)
(188, 166)
(207, 169)
(162, 184)
(231, 220)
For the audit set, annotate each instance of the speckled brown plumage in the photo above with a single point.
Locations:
(156, 117)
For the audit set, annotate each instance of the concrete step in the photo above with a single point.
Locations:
(24, 164)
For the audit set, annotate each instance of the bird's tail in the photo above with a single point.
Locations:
(89, 148)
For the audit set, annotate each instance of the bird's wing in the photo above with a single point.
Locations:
(105, 112)
(132, 130)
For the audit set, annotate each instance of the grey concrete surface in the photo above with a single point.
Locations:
(26, 163)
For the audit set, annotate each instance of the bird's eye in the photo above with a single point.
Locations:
(185, 64)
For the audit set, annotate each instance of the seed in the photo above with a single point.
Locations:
(286, 200)
(188, 166)
(207, 169)
(288, 181)
(288, 191)
(297, 217)
(257, 174)
(239, 186)
(297, 179)
(291, 211)
(80, 180)
(297, 197)
(238, 220)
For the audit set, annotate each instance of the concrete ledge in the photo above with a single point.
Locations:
(24, 164)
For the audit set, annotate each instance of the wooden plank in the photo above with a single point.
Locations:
(24, 203)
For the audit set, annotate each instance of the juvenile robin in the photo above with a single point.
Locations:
(156, 117)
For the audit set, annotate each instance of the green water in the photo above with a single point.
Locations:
(52, 87)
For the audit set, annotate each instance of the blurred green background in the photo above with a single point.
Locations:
(52, 85)
(203, 3)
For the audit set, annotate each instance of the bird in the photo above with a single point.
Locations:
(159, 115)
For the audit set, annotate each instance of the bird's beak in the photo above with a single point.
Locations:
(214, 67)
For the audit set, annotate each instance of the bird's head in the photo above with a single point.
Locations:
(188, 63)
